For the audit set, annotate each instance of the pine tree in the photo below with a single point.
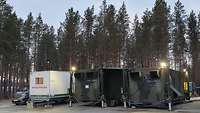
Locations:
(68, 45)
(144, 41)
(27, 37)
(38, 32)
(138, 42)
(28, 32)
(59, 36)
(192, 34)
(100, 37)
(88, 37)
(198, 48)
(112, 39)
(123, 30)
(11, 35)
(22, 61)
(131, 44)
(160, 21)
(47, 53)
(179, 43)
(13, 56)
(5, 11)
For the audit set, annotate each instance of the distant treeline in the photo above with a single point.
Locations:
(108, 39)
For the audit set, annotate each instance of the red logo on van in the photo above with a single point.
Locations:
(39, 87)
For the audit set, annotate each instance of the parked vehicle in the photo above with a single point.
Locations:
(21, 97)
(49, 86)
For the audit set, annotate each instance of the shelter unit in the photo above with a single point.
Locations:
(100, 86)
(156, 87)
(49, 86)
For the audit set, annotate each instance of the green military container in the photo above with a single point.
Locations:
(86, 85)
(155, 87)
(100, 86)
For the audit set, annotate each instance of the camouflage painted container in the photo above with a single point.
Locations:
(154, 87)
(100, 84)
(87, 85)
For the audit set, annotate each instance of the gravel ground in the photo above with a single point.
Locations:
(7, 107)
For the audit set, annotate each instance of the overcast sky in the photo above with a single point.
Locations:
(53, 11)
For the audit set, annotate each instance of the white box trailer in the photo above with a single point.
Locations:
(46, 86)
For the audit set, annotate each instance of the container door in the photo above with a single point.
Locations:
(113, 83)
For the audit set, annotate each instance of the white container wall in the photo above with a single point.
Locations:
(49, 84)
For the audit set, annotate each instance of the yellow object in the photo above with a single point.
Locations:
(185, 86)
